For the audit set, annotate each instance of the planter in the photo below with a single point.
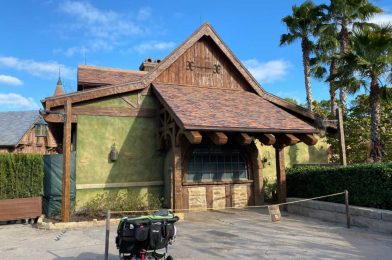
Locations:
(23, 208)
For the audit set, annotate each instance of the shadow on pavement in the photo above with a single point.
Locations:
(87, 256)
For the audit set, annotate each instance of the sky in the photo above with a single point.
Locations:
(40, 37)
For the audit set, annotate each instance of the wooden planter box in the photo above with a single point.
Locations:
(24, 208)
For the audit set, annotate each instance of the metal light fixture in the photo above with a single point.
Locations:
(40, 128)
(113, 153)
(266, 159)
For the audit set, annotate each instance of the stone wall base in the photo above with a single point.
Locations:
(373, 219)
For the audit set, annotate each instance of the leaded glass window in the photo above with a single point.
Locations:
(216, 164)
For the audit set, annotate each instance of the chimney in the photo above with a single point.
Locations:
(149, 64)
(59, 88)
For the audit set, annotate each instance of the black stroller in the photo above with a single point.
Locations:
(139, 237)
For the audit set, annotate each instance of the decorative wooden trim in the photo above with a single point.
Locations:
(118, 185)
(218, 138)
(194, 137)
(243, 139)
(130, 102)
(266, 139)
(308, 139)
(114, 111)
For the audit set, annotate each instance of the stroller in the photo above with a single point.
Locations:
(139, 237)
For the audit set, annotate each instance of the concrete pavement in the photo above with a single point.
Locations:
(228, 234)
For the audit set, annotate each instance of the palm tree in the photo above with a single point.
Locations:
(370, 58)
(327, 47)
(346, 14)
(301, 25)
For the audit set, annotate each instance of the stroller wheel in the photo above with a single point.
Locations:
(169, 257)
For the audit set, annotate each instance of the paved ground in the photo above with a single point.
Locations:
(230, 234)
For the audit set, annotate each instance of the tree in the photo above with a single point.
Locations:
(344, 14)
(370, 58)
(301, 25)
(326, 50)
(357, 130)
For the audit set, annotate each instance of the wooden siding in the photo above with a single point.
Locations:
(204, 53)
(24, 208)
(32, 144)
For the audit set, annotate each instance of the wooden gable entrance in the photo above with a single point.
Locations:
(204, 65)
(211, 109)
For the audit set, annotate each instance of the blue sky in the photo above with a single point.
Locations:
(38, 37)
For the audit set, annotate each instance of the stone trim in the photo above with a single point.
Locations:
(118, 185)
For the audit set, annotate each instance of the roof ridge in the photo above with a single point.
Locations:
(111, 69)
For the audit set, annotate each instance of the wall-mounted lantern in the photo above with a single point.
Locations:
(40, 128)
(113, 153)
(266, 159)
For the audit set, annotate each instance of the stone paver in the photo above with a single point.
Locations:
(228, 234)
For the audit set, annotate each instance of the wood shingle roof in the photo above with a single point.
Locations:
(216, 109)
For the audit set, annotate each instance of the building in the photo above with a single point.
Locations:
(25, 132)
(191, 127)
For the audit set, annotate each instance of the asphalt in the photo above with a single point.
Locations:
(228, 234)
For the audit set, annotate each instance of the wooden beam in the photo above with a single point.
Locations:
(266, 139)
(280, 175)
(66, 199)
(243, 139)
(93, 94)
(219, 138)
(114, 111)
(308, 139)
(342, 142)
(194, 137)
(286, 140)
(56, 118)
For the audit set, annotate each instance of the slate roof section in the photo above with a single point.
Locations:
(106, 76)
(14, 125)
(228, 110)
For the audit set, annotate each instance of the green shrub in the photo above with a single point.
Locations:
(21, 175)
(270, 190)
(130, 201)
(369, 185)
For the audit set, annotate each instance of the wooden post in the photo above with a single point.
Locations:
(66, 199)
(342, 142)
(347, 208)
(177, 178)
(280, 174)
(107, 235)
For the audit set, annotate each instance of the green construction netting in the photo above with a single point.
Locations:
(53, 183)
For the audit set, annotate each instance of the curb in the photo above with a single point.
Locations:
(83, 224)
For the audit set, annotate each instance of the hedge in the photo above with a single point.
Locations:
(21, 175)
(369, 185)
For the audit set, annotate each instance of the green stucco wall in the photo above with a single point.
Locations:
(296, 154)
(136, 140)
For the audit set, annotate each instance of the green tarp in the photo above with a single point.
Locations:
(53, 183)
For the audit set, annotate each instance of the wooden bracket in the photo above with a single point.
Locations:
(308, 139)
(285, 140)
(266, 139)
(194, 137)
(219, 138)
(243, 139)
